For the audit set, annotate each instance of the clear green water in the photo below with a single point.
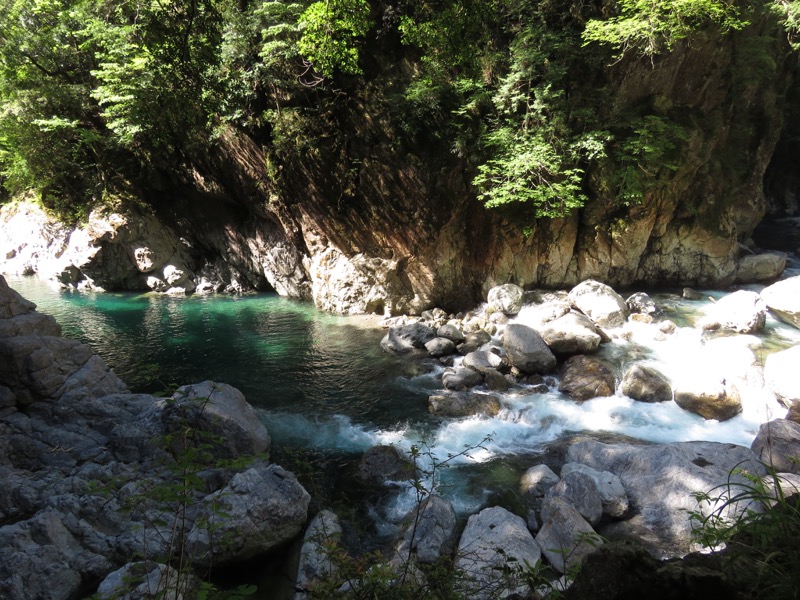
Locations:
(285, 356)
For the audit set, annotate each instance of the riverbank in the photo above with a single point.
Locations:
(639, 512)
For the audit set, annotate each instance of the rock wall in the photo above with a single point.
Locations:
(364, 222)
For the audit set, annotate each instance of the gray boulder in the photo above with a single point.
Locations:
(710, 397)
(526, 350)
(579, 490)
(537, 480)
(586, 377)
(780, 375)
(612, 493)
(464, 404)
(221, 411)
(641, 303)
(600, 303)
(473, 341)
(451, 332)
(506, 298)
(264, 507)
(573, 333)
(461, 378)
(760, 267)
(742, 312)
(661, 482)
(565, 537)
(783, 299)
(406, 338)
(316, 562)
(777, 444)
(384, 463)
(429, 532)
(482, 360)
(147, 580)
(440, 346)
(493, 548)
(646, 384)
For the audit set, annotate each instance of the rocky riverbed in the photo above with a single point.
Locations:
(90, 469)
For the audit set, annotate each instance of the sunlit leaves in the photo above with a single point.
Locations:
(651, 27)
(331, 29)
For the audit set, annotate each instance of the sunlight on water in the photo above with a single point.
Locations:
(321, 382)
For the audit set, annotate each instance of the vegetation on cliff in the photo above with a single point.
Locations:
(98, 96)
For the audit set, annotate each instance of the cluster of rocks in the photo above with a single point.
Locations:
(537, 341)
(618, 492)
(87, 470)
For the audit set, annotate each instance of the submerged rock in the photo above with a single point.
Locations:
(586, 377)
(464, 404)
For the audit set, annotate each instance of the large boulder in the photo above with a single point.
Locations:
(231, 425)
(506, 298)
(259, 510)
(385, 463)
(565, 537)
(781, 377)
(573, 333)
(537, 480)
(316, 563)
(450, 332)
(482, 361)
(742, 311)
(783, 299)
(600, 303)
(777, 445)
(526, 350)
(662, 481)
(148, 580)
(406, 338)
(613, 496)
(493, 549)
(440, 346)
(38, 368)
(641, 303)
(708, 396)
(461, 378)
(429, 533)
(760, 267)
(473, 341)
(579, 490)
(646, 384)
(586, 377)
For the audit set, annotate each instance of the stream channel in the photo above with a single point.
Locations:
(327, 392)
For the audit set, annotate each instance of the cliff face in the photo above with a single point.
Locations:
(363, 220)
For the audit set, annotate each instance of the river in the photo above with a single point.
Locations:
(327, 392)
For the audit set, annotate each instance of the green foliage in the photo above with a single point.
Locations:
(651, 27)
(331, 29)
(788, 11)
(758, 546)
